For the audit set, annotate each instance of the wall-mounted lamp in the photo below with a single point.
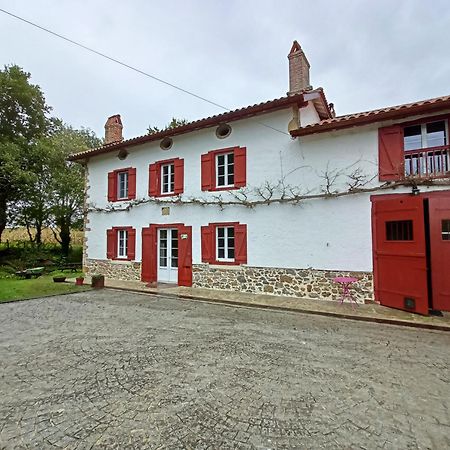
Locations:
(415, 190)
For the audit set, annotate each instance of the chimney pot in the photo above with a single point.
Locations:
(113, 129)
(298, 70)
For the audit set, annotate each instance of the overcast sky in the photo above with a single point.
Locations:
(365, 54)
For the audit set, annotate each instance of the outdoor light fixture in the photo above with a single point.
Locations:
(415, 190)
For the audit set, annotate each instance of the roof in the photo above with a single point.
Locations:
(376, 115)
(229, 116)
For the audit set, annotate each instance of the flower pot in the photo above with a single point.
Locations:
(98, 281)
(79, 281)
(59, 279)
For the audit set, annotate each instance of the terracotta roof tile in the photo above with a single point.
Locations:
(366, 117)
(229, 116)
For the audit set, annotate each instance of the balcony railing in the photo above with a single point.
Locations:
(428, 162)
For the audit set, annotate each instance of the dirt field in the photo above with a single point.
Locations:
(20, 234)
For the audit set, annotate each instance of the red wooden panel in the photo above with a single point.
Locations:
(179, 176)
(391, 160)
(184, 256)
(153, 180)
(111, 244)
(112, 187)
(131, 244)
(149, 254)
(400, 265)
(240, 167)
(207, 235)
(240, 236)
(131, 183)
(207, 171)
(439, 208)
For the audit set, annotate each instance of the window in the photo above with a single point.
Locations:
(414, 150)
(122, 185)
(121, 243)
(225, 243)
(426, 135)
(446, 230)
(399, 230)
(225, 169)
(168, 178)
(122, 236)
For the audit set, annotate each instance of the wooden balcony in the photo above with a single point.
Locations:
(433, 162)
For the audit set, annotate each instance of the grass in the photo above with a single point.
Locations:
(13, 288)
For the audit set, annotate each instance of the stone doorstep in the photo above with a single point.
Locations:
(363, 312)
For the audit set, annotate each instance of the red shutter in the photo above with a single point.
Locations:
(391, 158)
(240, 237)
(131, 183)
(149, 257)
(111, 243)
(185, 256)
(240, 166)
(131, 244)
(207, 234)
(112, 187)
(179, 176)
(153, 180)
(207, 171)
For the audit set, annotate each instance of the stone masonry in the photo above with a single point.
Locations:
(119, 270)
(306, 283)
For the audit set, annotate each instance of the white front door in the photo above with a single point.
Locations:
(168, 255)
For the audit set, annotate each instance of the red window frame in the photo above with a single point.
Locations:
(113, 178)
(208, 165)
(209, 250)
(155, 182)
(112, 247)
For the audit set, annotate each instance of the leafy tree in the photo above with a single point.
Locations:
(172, 124)
(23, 120)
(67, 180)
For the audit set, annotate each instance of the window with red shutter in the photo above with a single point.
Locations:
(166, 178)
(121, 243)
(224, 169)
(224, 243)
(122, 184)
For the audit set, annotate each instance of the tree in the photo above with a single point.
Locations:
(23, 120)
(172, 124)
(67, 180)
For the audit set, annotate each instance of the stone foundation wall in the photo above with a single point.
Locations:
(306, 283)
(119, 270)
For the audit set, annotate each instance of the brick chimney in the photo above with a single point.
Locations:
(113, 129)
(298, 70)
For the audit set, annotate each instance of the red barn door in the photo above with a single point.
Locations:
(440, 251)
(400, 267)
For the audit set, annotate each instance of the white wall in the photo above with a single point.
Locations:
(323, 234)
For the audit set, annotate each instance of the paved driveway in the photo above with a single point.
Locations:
(119, 370)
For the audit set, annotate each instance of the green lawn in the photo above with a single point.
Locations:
(22, 289)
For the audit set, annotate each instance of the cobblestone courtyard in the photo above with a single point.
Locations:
(110, 369)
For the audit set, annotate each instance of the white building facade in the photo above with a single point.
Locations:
(274, 198)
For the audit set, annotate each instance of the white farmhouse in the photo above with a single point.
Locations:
(280, 197)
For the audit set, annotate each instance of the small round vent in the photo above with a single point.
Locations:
(166, 143)
(122, 154)
(223, 131)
